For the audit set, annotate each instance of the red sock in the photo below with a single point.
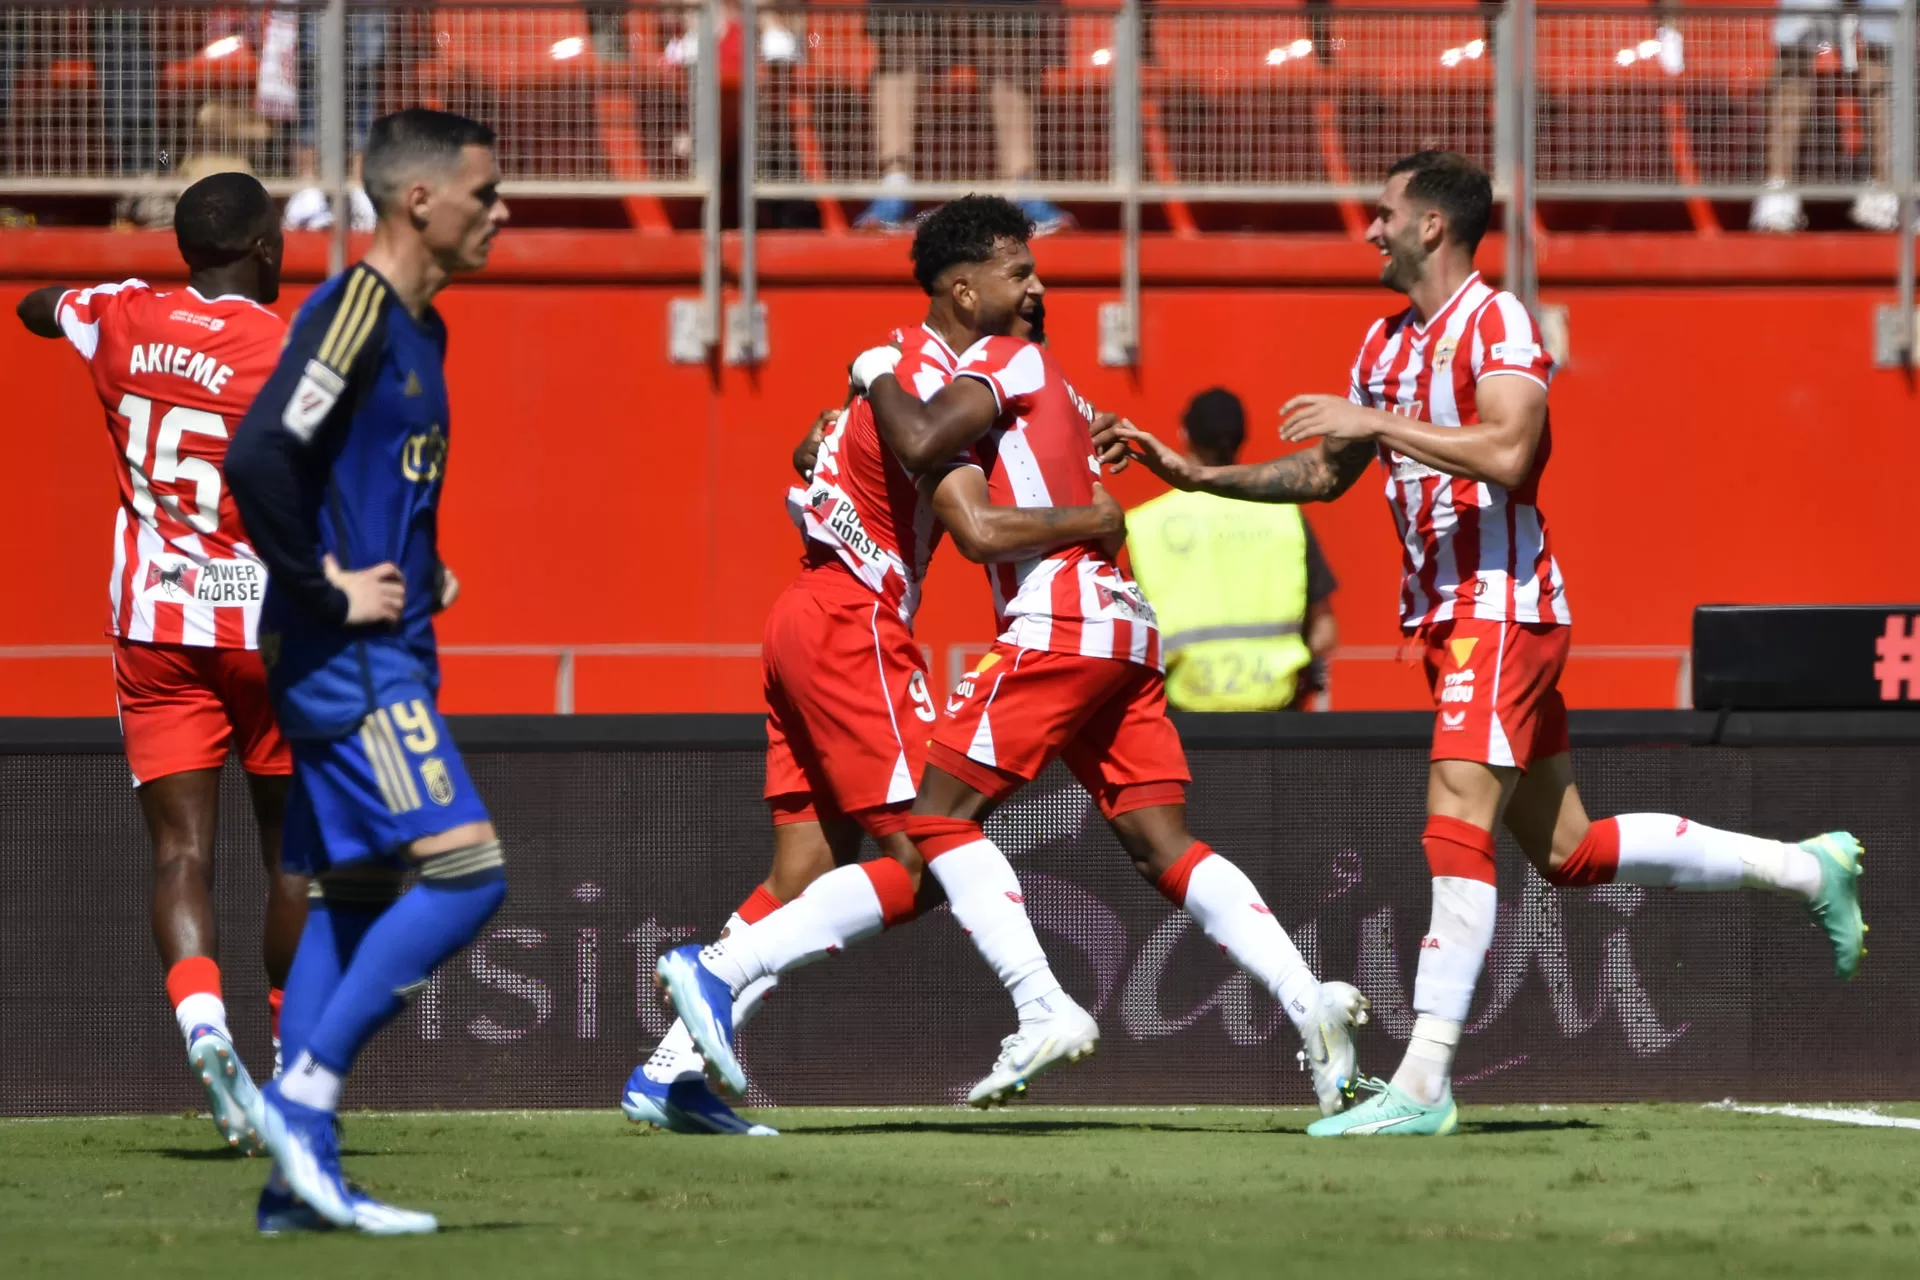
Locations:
(196, 975)
(759, 905)
(894, 887)
(1173, 881)
(1458, 849)
(275, 998)
(935, 836)
(1595, 860)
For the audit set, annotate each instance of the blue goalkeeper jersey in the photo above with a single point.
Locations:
(343, 454)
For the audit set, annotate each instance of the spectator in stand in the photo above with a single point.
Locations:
(1244, 596)
(125, 69)
(1863, 44)
(311, 208)
(1008, 49)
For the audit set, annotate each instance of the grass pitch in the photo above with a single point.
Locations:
(1643, 1191)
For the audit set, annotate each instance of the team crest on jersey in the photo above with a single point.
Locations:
(413, 385)
(312, 400)
(433, 772)
(1443, 354)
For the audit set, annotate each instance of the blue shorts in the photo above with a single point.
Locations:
(373, 793)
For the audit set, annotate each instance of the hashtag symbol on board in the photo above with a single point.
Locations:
(1898, 651)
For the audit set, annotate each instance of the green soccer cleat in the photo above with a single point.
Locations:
(1390, 1112)
(1836, 908)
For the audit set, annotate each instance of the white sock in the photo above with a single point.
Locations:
(1451, 957)
(201, 1009)
(1667, 851)
(311, 1085)
(744, 1004)
(1231, 911)
(747, 1003)
(986, 900)
(838, 909)
(1427, 1070)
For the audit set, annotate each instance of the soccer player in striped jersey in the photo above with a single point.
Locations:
(175, 370)
(1450, 398)
(338, 470)
(1075, 675)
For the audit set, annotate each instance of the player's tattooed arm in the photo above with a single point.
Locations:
(1318, 474)
(986, 533)
(925, 433)
(37, 311)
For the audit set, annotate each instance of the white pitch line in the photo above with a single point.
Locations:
(1835, 1115)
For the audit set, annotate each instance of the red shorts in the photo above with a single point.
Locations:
(184, 708)
(1107, 719)
(848, 709)
(1496, 686)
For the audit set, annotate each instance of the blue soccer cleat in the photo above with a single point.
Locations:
(280, 1212)
(302, 1141)
(231, 1096)
(685, 1106)
(705, 1004)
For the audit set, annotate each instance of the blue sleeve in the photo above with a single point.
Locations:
(281, 459)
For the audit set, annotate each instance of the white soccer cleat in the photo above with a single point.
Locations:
(1329, 1055)
(1876, 211)
(1777, 210)
(231, 1096)
(1067, 1036)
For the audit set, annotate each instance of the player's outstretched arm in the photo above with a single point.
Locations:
(37, 311)
(1318, 474)
(988, 534)
(278, 464)
(925, 433)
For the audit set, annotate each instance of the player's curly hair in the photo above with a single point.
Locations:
(965, 231)
(218, 219)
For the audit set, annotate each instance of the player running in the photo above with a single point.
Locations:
(1451, 396)
(338, 471)
(1075, 674)
(848, 702)
(175, 371)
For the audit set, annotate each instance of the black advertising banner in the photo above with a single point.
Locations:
(1607, 993)
(1830, 657)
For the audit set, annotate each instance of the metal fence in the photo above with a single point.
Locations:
(1130, 103)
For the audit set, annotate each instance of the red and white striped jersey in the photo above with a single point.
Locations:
(1470, 550)
(1039, 453)
(175, 373)
(862, 504)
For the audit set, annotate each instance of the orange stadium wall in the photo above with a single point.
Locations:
(1712, 442)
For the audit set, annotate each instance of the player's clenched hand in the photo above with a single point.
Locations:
(1164, 462)
(1113, 520)
(808, 450)
(373, 595)
(1325, 417)
(1113, 454)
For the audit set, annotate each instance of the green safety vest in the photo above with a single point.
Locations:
(1229, 582)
